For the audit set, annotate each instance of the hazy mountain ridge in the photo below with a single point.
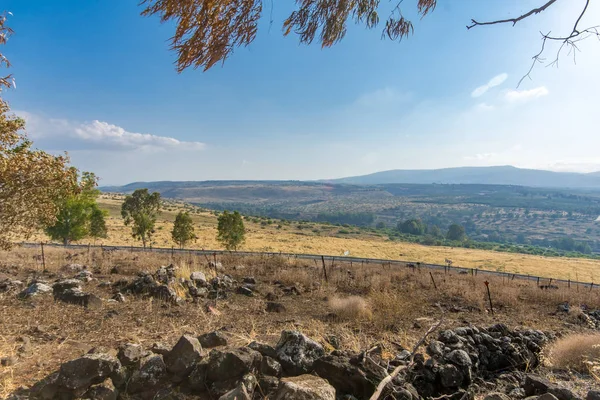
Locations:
(501, 175)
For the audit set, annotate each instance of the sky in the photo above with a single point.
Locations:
(97, 80)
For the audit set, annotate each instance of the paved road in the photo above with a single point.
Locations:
(318, 257)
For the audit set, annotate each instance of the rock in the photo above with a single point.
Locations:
(268, 385)
(165, 274)
(297, 353)
(245, 290)
(451, 377)
(118, 297)
(448, 337)
(160, 348)
(184, 355)
(77, 297)
(249, 280)
(213, 339)
(130, 353)
(8, 285)
(165, 293)
(79, 374)
(232, 364)
(593, 395)
(536, 385)
(435, 348)
(198, 278)
(239, 393)
(264, 349)
(305, 387)
(517, 393)
(73, 268)
(8, 361)
(275, 307)
(496, 396)
(269, 366)
(345, 377)
(35, 289)
(149, 377)
(563, 307)
(103, 391)
(459, 358)
(84, 275)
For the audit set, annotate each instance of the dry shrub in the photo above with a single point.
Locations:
(578, 352)
(350, 308)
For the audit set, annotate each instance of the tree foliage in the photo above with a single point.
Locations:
(412, 227)
(208, 31)
(140, 210)
(78, 214)
(183, 229)
(31, 181)
(456, 233)
(230, 230)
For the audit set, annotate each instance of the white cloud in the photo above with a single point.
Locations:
(98, 132)
(524, 95)
(62, 134)
(495, 81)
(484, 107)
(480, 157)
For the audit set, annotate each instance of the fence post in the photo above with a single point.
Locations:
(569, 283)
(487, 285)
(538, 281)
(43, 257)
(324, 268)
(432, 280)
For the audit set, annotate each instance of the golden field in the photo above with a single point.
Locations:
(328, 241)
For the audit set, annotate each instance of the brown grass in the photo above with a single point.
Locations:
(579, 352)
(350, 308)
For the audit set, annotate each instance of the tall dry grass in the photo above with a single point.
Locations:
(350, 308)
(579, 352)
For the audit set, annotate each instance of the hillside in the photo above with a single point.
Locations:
(501, 175)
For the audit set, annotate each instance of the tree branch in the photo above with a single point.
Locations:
(514, 20)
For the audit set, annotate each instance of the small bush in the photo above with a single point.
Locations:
(350, 308)
(579, 352)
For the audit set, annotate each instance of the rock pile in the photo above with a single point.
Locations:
(462, 362)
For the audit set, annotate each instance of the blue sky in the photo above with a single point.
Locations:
(96, 79)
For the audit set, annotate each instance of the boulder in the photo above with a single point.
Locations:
(35, 289)
(149, 377)
(243, 390)
(77, 297)
(213, 339)
(264, 349)
(547, 396)
(245, 290)
(160, 348)
(181, 359)
(130, 353)
(435, 348)
(345, 377)
(65, 284)
(232, 364)
(197, 378)
(536, 385)
(79, 374)
(198, 278)
(268, 385)
(270, 366)
(103, 391)
(249, 280)
(305, 387)
(297, 353)
(118, 297)
(451, 376)
(459, 358)
(165, 293)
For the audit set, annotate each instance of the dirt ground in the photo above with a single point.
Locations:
(402, 303)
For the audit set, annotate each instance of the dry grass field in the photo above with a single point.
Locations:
(315, 238)
(359, 305)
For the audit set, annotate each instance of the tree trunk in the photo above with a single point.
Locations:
(65, 241)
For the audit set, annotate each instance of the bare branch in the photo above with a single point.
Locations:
(513, 20)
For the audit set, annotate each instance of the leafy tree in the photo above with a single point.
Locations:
(183, 229)
(31, 181)
(208, 31)
(456, 233)
(73, 220)
(98, 228)
(435, 231)
(380, 225)
(230, 230)
(412, 227)
(140, 210)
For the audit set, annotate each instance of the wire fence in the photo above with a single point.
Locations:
(543, 282)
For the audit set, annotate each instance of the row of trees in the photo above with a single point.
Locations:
(416, 227)
(141, 209)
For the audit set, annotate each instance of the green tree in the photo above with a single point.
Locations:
(435, 231)
(183, 229)
(140, 210)
(230, 230)
(98, 228)
(412, 227)
(73, 220)
(456, 233)
(380, 225)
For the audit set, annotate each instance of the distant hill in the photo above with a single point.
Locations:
(501, 175)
